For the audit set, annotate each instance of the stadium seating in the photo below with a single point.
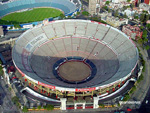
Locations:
(109, 52)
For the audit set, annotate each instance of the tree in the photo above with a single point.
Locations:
(39, 107)
(49, 107)
(147, 17)
(109, 10)
(125, 15)
(136, 17)
(128, 0)
(25, 109)
(85, 13)
(78, 13)
(140, 41)
(107, 2)
(15, 99)
(141, 27)
(148, 26)
(132, 5)
(144, 35)
(116, 13)
(147, 47)
(1, 70)
(142, 16)
(44, 107)
(105, 8)
(145, 40)
(17, 26)
(62, 16)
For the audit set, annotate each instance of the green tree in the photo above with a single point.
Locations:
(141, 27)
(128, 0)
(78, 13)
(142, 16)
(44, 107)
(15, 99)
(125, 15)
(62, 16)
(125, 7)
(147, 47)
(1, 70)
(147, 17)
(107, 2)
(148, 26)
(49, 107)
(126, 97)
(145, 40)
(105, 8)
(116, 13)
(132, 5)
(140, 41)
(17, 26)
(144, 35)
(85, 13)
(109, 10)
(25, 109)
(39, 107)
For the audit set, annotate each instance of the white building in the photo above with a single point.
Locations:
(1, 31)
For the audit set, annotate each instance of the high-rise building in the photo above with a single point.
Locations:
(94, 6)
(146, 1)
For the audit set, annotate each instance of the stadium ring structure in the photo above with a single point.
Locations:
(69, 7)
(74, 58)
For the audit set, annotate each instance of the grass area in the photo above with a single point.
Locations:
(36, 14)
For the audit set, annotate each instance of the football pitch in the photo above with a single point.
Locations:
(36, 14)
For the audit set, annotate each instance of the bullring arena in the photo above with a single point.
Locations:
(76, 61)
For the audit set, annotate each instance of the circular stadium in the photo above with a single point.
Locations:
(68, 7)
(70, 58)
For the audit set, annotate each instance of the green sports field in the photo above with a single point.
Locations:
(36, 14)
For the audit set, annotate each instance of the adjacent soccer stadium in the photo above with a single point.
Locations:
(26, 10)
(74, 58)
(32, 15)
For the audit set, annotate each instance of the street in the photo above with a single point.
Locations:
(6, 104)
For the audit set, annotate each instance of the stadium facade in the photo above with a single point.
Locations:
(42, 53)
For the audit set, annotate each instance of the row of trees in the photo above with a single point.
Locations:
(47, 107)
(1, 68)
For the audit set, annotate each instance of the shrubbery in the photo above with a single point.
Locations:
(126, 97)
(25, 109)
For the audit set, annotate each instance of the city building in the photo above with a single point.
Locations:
(104, 15)
(144, 6)
(118, 1)
(132, 31)
(115, 21)
(146, 1)
(142, 1)
(94, 6)
(1, 31)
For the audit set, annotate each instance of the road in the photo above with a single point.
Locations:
(11, 34)
(6, 104)
(146, 106)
